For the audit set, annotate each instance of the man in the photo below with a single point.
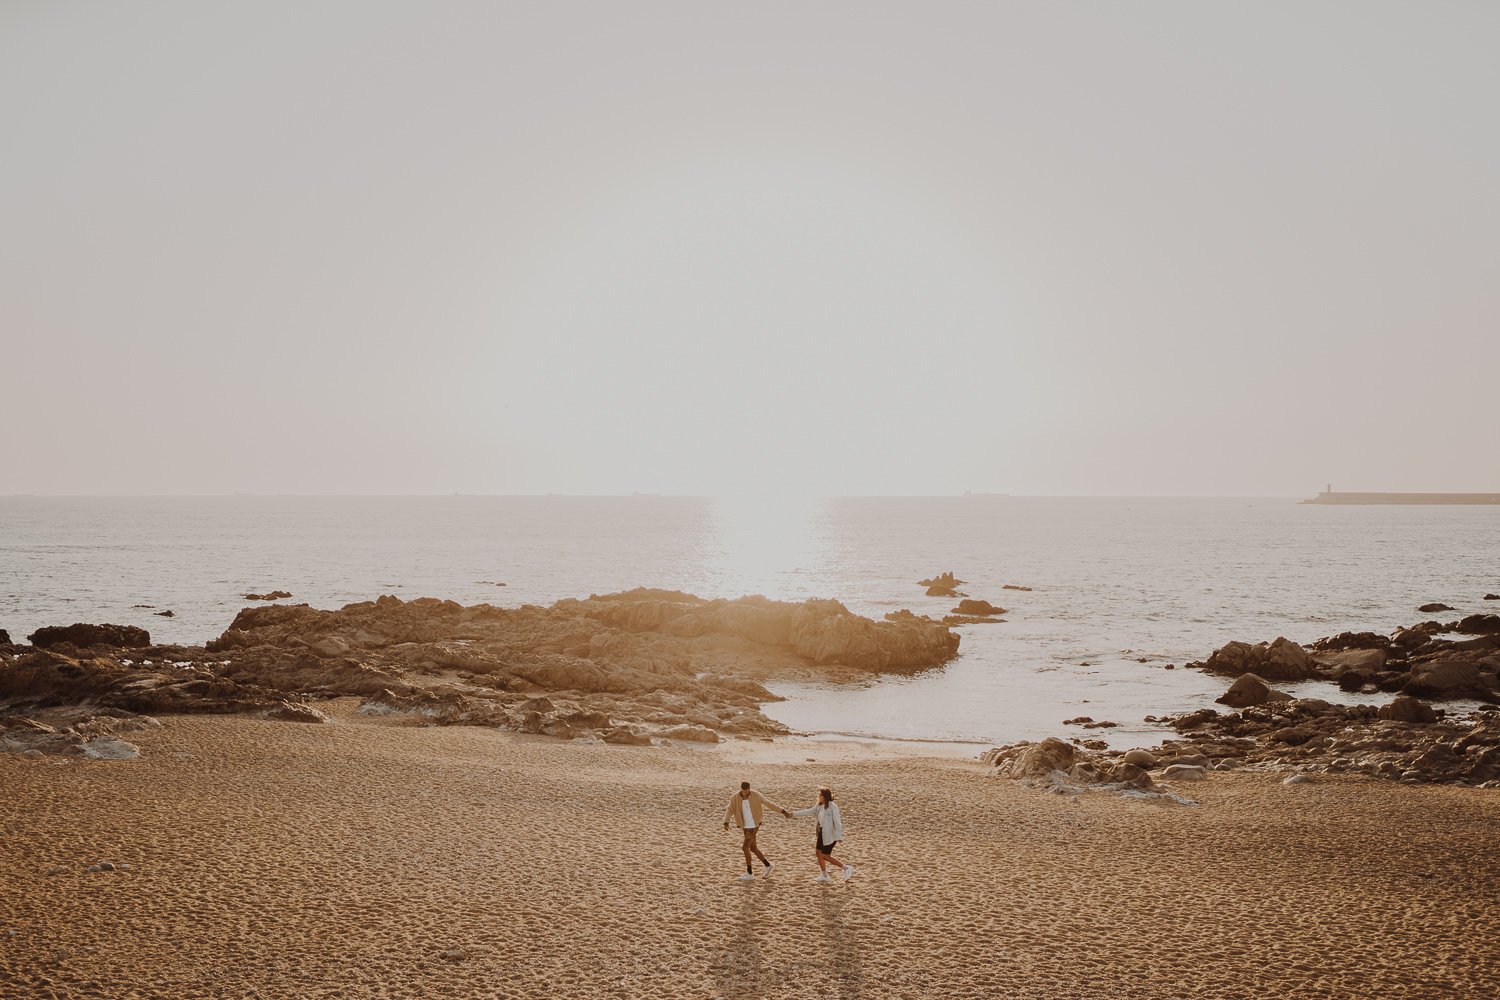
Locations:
(744, 811)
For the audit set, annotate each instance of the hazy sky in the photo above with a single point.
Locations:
(703, 247)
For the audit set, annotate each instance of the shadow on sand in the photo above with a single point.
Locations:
(841, 944)
(739, 970)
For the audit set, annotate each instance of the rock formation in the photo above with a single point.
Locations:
(1250, 690)
(87, 636)
(1405, 740)
(1422, 660)
(624, 668)
(942, 585)
(976, 607)
(1062, 766)
(275, 595)
(1280, 660)
(95, 736)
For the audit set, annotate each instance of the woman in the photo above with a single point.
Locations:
(830, 832)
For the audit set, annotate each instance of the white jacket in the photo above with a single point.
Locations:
(829, 823)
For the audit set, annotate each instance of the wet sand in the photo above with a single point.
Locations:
(371, 859)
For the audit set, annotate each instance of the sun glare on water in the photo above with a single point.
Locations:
(764, 543)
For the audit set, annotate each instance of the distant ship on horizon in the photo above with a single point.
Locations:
(1330, 496)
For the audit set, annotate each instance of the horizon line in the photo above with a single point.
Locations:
(641, 495)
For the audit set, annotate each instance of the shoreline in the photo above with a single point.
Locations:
(651, 666)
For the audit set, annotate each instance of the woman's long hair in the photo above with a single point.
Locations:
(825, 796)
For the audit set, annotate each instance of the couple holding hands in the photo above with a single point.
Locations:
(745, 810)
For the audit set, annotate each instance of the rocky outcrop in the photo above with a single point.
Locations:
(274, 595)
(90, 735)
(83, 636)
(1454, 674)
(1434, 607)
(1279, 660)
(1477, 625)
(1405, 740)
(977, 607)
(4, 637)
(1250, 690)
(1064, 767)
(942, 585)
(1425, 660)
(49, 678)
(1407, 710)
(624, 668)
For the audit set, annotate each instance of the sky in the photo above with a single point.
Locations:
(708, 248)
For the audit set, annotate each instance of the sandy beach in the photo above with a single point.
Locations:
(375, 858)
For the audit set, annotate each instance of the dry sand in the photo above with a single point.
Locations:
(273, 859)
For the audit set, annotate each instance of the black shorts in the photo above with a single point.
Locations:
(826, 848)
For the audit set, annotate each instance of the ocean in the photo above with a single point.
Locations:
(1122, 587)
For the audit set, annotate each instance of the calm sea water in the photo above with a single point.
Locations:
(1115, 580)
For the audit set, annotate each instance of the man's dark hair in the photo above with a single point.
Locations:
(744, 786)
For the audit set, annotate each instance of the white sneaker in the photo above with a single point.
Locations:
(848, 872)
(768, 869)
(748, 877)
(822, 878)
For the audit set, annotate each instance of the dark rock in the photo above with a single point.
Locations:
(165, 614)
(1012, 586)
(84, 636)
(4, 637)
(1193, 720)
(1411, 638)
(275, 595)
(1492, 597)
(1450, 675)
(1250, 690)
(1359, 660)
(1351, 640)
(1407, 710)
(1478, 625)
(1280, 660)
(1128, 775)
(977, 607)
(1355, 680)
(1485, 766)
(971, 620)
(1434, 606)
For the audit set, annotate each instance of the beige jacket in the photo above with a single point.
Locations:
(734, 814)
